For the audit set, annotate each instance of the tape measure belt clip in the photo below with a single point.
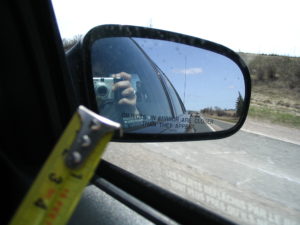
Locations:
(93, 128)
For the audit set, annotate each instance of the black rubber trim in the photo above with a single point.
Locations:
(105, 31)
(128, 200)
(165, 202)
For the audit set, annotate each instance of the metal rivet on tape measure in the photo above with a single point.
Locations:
(91, 130)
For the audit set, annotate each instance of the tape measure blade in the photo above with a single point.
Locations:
(57, 189)
(75, 184)
(34, 205)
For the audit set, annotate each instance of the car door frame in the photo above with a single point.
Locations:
(50, 84)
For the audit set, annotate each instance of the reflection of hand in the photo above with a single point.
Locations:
(128, 96)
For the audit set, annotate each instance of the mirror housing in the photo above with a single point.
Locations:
(154, 116)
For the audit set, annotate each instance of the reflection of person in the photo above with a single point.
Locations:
(128, 96)
(126, 101)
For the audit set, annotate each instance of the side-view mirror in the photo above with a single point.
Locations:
(163, 86)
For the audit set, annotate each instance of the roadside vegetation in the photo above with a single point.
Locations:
(228, 115)
(69, 43)
(275, 88)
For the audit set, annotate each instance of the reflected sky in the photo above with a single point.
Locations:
(201, 78)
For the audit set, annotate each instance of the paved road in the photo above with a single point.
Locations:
(247, 177)
(200, 124)
(222, 125)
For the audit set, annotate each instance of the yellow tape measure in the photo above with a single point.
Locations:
(59, 185)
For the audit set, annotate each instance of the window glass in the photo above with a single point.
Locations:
(252, 177)
(110, 56)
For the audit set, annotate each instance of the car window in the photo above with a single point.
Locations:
(252, 177)
(175, 99)
(110, 56)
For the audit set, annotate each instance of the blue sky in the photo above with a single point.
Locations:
(211, 79)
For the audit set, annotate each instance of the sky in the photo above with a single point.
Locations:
(256, 26)
(201, 78)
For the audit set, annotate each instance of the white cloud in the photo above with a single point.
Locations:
(189, 71)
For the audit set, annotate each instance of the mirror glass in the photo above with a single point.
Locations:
(156, 86)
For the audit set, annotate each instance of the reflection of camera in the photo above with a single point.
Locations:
(103, 88)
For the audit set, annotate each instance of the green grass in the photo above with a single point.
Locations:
(275, 116)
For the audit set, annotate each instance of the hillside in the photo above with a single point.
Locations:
(275, 87)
